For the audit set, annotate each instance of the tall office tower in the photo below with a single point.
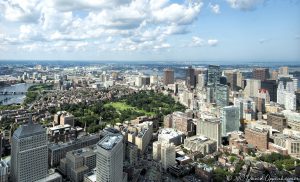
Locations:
(29, 153)
(3, 171)
(222, 95)
(271, 86)
(286, 95)
(252, 87)
(261, 73)
(168, 76)
(0, 144)
(231, 76)
(201, 80)
(230, 118)
(211, 128)
(110, 158)
(239, 79)
(156, 152)
(190, 78)
(168, 155)
(214, 74)
(284, 71)
(274, 75)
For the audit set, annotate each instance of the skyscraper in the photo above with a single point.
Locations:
(231, 76)
(284, 71)
(230, 119)
(271, 86)
(252, 87)
(168, 155)
(211, 128)
(222, 95)
(110, 158)
(214, 74)
(168, 76)
(29, 153)
(261, 73)
(190, 78)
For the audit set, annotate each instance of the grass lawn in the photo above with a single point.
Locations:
(121, 106)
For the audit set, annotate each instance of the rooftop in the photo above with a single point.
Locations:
(109, 141)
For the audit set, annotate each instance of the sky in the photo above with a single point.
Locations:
(150, 30)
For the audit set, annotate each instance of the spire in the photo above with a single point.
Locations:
(30, 119)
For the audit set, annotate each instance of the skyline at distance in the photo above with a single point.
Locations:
(159, 30)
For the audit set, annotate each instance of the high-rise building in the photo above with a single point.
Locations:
(230, 118)
(252, 87)
(261, 73)
(156, 150)
(168, 76)
(274, 75)
(286, 95)
(110, 158)
(168, 155)
(277, 121)
(29, 153)
(222, 95)
(77, 163)
(3, 171)
(271, 86)
(284, 71)
(211, 128)
(214, 74)
(190, 78)
(201, 80)
(231, 76)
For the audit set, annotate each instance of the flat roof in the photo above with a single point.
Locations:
(109, 141)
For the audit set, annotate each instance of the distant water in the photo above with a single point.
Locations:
(13, 99)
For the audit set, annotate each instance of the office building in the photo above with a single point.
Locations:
(29, 155)
(211, 128)
(168, 155)
(169, 135)
(252, 87)
(277, 121)
(258, 137)
(131, 154)
(183, 123)
(190, 78)
(289, 142)
(230, 118)
(261, 73)
(200, 144)
(214, 74)
(201, 80)
(156, 150)
(222, 95)
(231, 76)
(284, 71)
(58, 151)
(78, 163)
(110, 158)
(168, 76)
(3, 171)
(271, 87)
(286, 95)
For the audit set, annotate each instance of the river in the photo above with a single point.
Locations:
(13, 99)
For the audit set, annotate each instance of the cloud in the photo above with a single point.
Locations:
(200, 42)
(215, 8)
(245, 5)
(213, 42)
(80, 24)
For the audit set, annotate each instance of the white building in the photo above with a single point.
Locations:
(156, 151)
(170, 135)
(110, 158)
(168, 155)
(252, 87)
(286, 95)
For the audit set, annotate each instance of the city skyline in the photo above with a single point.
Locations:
(209, 30)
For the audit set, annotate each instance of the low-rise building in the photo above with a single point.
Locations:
(200, 144)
